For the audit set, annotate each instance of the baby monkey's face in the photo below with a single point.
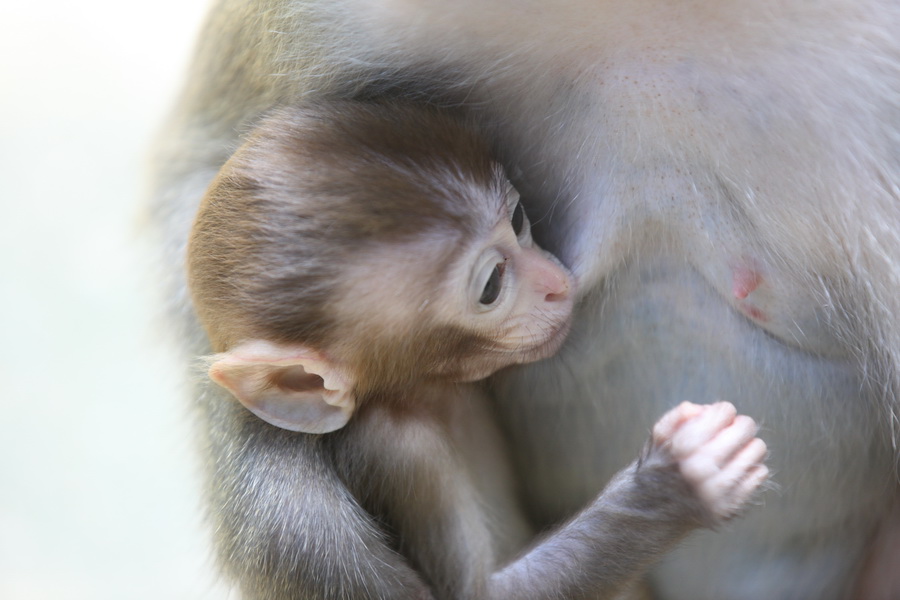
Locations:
(459, 302)
(509, 300)
(516, 294)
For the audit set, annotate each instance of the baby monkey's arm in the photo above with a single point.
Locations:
(701, 466)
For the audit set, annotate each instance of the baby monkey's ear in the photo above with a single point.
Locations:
(288, 385)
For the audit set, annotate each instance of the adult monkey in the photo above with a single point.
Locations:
(724, 179)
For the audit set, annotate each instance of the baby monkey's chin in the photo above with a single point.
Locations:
(551, 346)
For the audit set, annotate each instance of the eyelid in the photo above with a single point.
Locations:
(512, 198)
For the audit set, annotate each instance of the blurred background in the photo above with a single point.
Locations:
(99, 482)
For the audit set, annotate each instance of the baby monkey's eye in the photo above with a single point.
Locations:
(518, 219)
(493, 286)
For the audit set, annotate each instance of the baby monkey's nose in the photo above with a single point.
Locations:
(547, 276)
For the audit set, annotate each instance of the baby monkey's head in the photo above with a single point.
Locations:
(352, 250)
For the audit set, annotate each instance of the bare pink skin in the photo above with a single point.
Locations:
(745, 280)
(717, 452)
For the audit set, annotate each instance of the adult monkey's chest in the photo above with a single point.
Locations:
(702, 281)
(706, 281)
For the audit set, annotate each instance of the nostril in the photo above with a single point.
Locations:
(557, 296)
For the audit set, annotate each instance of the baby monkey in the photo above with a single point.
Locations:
(358, 268)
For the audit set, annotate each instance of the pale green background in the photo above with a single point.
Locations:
(98, 478)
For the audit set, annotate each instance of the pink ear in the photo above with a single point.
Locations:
(289, 386)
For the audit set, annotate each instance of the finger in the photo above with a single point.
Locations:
(701, 429)
(670, 422)
(753, 453)
(735, 480)
(731, 440)
(747, 487)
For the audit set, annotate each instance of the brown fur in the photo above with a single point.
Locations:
(318, 176)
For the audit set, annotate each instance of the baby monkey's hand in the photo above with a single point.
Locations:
(717, 452)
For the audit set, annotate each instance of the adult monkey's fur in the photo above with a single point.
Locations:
(723, 177)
